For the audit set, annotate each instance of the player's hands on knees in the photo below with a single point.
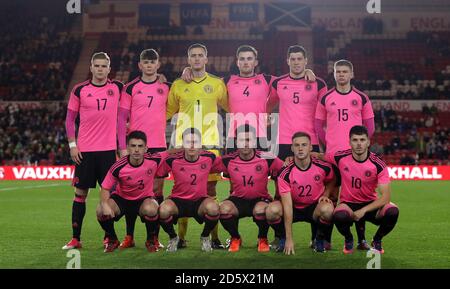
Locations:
(187, 74)
(289, 247)
(358, 215)
(123, 153)
(309, 75)
(107, 211)
(75, 155)
(325, 199)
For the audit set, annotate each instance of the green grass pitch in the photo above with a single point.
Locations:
(35, 224)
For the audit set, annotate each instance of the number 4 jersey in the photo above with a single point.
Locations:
(97, 107)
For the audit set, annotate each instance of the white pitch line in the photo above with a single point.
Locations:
(31, 187)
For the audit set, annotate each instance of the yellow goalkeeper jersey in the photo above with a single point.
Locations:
(196, 103)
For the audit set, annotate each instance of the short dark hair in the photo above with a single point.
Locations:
(149, 54)
(100, 55)
(198, 45)
(343, 62)
(296, 49)
(301, 134)
(358, 130)
(246, 48)
(245, 128)
(137, 134)
(192, 130)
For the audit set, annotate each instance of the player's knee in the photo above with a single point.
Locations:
(212, 209)
(342, 216)
(260, 210)
(391, 212)
(226, 209)
(165, 211)
(99, 212)
(326, 212)
(274, 211)
(149, 211)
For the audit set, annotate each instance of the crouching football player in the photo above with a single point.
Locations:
(189, 196)
(133, 176)
(248, 171)
(304, 186)
(362, 172)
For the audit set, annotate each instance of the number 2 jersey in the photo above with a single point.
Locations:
(306, 186)
(190, 177)
(249, 178)
(360, 178)
(133, 182)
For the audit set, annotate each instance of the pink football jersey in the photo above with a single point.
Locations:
(146, 102)
(341, 112)
(249, 178)
(133, 183)
(360, 178)
(190, 178)
(247, 98)
(97, 107)
(298, 100)
(306, 186)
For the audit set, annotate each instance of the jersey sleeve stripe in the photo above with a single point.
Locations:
(364, 97)
(323, 99)
(77, 89)
(129, 87)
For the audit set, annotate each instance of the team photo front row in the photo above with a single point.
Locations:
(306, 190)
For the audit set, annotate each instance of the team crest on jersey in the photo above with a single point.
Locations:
(259, 168)
(354, 102)
(317, 178)
(110, 92)
(257, 81)
(308, 87)
(149, 172)
(160, 91)
(208, 89)
(236, 169)
(182, 169)
(346, 169)
(368, 173)
(203, 166)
